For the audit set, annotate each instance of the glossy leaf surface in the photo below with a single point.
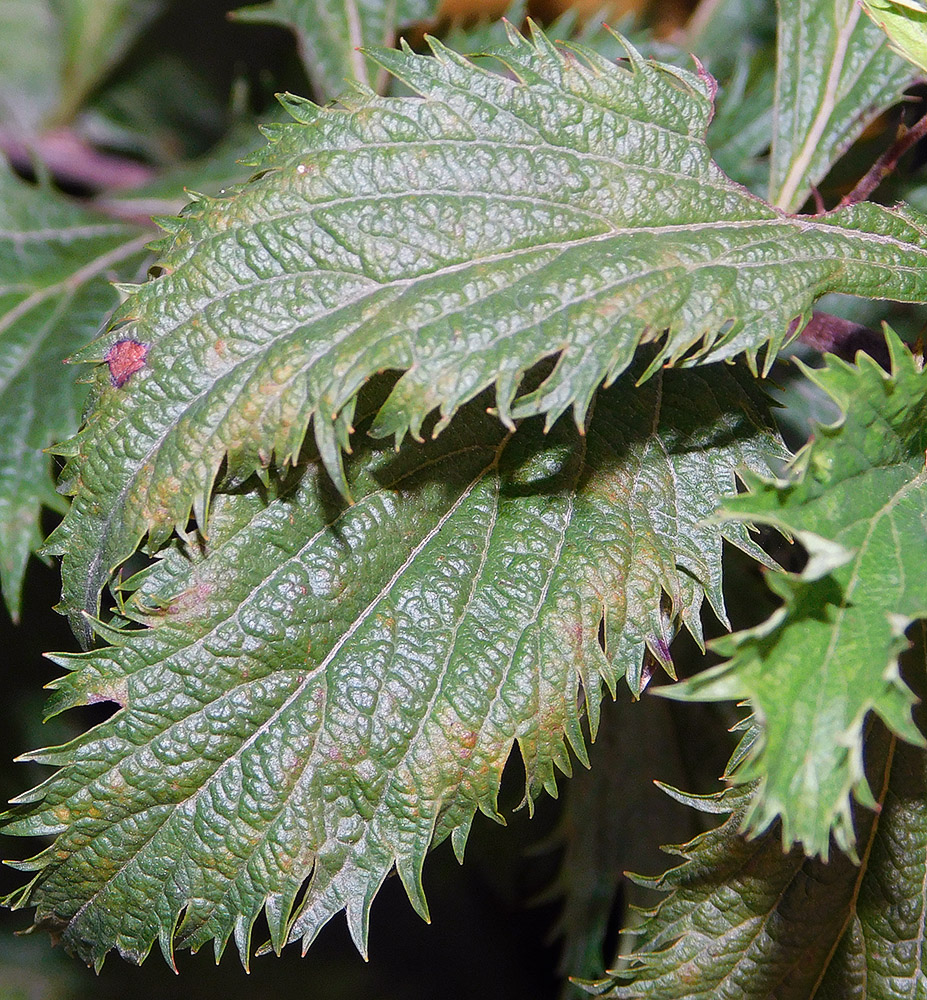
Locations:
(325, 690)
(570, 209)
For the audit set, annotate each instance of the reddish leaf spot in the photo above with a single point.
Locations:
(125, 358)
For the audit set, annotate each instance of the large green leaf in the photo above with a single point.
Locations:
(325, 690)
(745, 920)
(57, 260)
(835, 73)
(332, 32)
(570, 209)
(856, 498)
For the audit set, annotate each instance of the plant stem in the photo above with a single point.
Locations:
(887, 162)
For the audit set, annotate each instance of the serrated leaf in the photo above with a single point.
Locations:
(570, 209)
(905, 23)
(835, 73)
(881, 953)
(743, 919)
(326, 690)
(857, 499)
(331, 33)
(56, 263)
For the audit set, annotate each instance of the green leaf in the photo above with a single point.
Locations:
(740, 131)
(56, 264)
(905, 23)
(835, 73)
(720, 32)
(94, 35)
(326, 690)
(881, 953)
(332, 32)
(570, 210)
(856, 498)
(28, 77)
(743, 919)
(53, 52)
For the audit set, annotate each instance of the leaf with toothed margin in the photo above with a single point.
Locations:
(856, 497)
(744, 919)
(325, 691)
(331, 33)
(57, 260)
(570, 209)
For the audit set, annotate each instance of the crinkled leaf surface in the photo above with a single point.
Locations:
(881, 953)
(745, 920)
(569, 209)
(857, 498)
(325, 690)
(331, 32)
(835, 73)
(56, 264)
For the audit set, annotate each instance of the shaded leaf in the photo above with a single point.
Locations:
(326, 690)
(835, 73)
(613, 821)
(569, 210)
(744, 919)
(856, 499)
(881, 953)
(331, 33)
(57, 260)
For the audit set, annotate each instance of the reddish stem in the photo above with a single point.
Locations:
(887, 162)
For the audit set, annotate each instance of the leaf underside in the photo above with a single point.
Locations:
(568, 210)
(324, 690)
(857, 499)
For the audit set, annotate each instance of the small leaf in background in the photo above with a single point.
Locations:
(57, 260)
(570, 209)
(93, 36)
(325, 690)
(835, 73)
(331, 33)
(53, 52)
(905, 23)
(856, 498)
